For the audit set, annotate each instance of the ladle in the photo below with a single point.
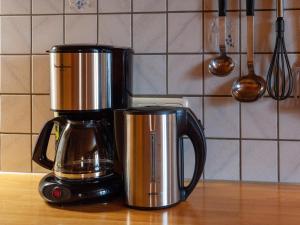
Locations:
(250, 87)
(221, 65)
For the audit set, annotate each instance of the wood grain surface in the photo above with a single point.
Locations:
(212, 203)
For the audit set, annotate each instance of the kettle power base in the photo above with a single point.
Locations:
(54, 190)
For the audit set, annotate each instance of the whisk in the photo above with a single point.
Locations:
(280, 76)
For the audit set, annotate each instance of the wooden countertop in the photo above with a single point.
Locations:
(211, 203)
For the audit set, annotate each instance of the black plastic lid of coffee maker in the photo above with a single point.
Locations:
(81, 49)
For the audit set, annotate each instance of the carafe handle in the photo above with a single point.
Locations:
(40, 149)
(191, 127)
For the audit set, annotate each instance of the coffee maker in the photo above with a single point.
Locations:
(87, 83)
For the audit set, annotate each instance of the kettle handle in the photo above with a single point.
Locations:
(193, 129)
(40, 149)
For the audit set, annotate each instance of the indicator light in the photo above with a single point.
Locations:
(56, 192)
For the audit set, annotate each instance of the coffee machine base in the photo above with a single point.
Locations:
(58, 191)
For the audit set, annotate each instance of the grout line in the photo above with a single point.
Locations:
(278, 143)
(24, 94)
(167, 47)
(203, 75)
(187, 95)
(31, 87)
(208, 53)
(21, 54)
(170, 53)
(64, 21)
(97, 22)
(131, 15)
(146, 12)
(240, 104)
(251, 139)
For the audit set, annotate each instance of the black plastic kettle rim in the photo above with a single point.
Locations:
(151, 110)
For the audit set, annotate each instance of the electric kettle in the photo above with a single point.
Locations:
(151, 139)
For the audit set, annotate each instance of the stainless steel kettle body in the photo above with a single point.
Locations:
(151, 141)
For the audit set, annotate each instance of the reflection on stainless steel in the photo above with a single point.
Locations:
(165, 218)
(81, 176)
(151, 174)
(79, 79)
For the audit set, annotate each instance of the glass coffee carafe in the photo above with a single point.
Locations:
(83, 151)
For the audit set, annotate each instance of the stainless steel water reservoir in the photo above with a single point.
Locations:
(89, 78)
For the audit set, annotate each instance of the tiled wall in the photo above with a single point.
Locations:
(174, 41)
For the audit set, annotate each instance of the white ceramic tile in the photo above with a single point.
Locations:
(221, 117)
(149, 5)
(15, 74)
(211, 32)
(149, 33)
(15, 152)
(291, 4)
(179, 5)
(259, 161)
(40, 74)
(81, 29)
(15, 34)
(149, 74)
(189, 159)
(262, 4)
(47, 6)
(264, 32)
(289, 119)
(213, 5)
(185, 74)
(15, 113)
(46, 32)
(289, 111)
(41, 112)
(14, 7)
(290, 161)
(185, 32)
(115, 30)
(107, 6)
(222, 161)
(214, 85)
(292, 30)
(195, 104)
(81, 6)
(50, 154)
(259, 120)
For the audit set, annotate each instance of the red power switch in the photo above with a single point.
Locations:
(56, 192)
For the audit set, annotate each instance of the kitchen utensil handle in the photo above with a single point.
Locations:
(222, 26)
(250, 7)
(250, 24)
(222, 7)
(40, 150)
(193, 129)
(280, 7)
